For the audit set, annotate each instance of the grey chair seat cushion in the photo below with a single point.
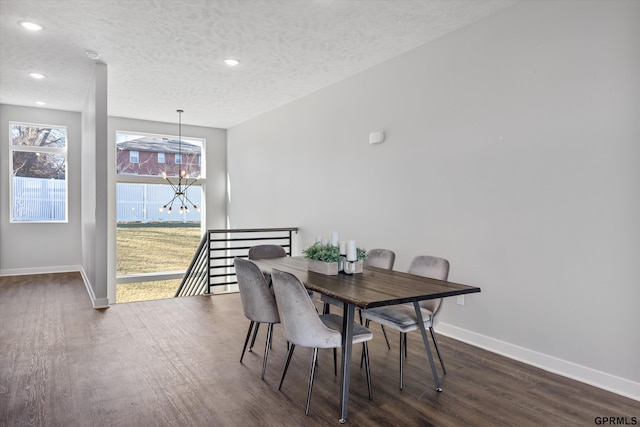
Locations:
(334, 321)
(401, 317)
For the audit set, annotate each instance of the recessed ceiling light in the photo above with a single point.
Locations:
(37, 75)
(231, 62)
(93, 55)
(31, 26)
(41, 103)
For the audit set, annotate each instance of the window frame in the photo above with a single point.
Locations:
(64, 151)
(153, 179)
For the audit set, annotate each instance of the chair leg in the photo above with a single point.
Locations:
(253, 340)
(286, 364)
(246, 341)
(384, 332)
(335, 362)
(313, 372)
(435, 343)
(325, 308)
(365, 351)
(406, 354)
(402, 343)
(266, 348)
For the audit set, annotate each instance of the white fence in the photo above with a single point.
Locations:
(142, 203)
(39, 199)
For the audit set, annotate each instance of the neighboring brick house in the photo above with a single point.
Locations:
(152, 156)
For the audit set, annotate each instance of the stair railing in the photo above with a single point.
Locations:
(212, 264)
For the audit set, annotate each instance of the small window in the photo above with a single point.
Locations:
(160, 157)
(38, 161)
(178, 159)
(134, 157)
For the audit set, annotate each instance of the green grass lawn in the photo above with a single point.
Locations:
(150, 248)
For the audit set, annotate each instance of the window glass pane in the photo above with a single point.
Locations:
(158, 154)
(38, 136)
(134, 157)
(39, 191)
(142, 203)
(155, 247)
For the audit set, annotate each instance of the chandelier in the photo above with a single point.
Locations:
(184, 180)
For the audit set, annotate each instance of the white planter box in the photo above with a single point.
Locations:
(327, 268)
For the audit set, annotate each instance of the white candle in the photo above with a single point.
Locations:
(352, 252)
(343, 247)
(334, 238)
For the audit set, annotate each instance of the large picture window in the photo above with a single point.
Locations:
(38, 164)
(154, 245)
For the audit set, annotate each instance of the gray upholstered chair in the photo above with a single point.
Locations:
(258, 303)
(266, 252)
(302, 326)
(403, 317)
(381, 258)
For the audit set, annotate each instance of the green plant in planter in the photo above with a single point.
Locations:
(320, 252)
(329, 253)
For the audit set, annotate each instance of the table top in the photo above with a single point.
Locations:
(374, 287)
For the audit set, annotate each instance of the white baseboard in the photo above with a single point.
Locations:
(552, 364)
(39, 270)
(96, 302)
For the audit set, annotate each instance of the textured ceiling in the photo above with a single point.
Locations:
(168, 54)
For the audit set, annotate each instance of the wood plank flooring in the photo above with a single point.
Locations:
(175, 362)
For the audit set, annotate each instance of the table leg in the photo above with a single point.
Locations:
(416, 305)
(347, 345)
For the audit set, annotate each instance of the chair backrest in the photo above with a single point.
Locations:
(435, 268)
(381, 258)
(258, 302)
(301, 324)
(266, 252)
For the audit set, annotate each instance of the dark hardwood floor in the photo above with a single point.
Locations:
(175, 362)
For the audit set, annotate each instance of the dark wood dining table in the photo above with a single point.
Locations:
(374, 287)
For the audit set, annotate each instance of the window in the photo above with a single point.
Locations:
(152, 244)
(134, 157)
(38, 162)
(178, 159)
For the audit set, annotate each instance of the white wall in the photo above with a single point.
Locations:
(44, 247)
(95, 189)
(511, 150)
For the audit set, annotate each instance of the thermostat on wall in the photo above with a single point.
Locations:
(376, 137)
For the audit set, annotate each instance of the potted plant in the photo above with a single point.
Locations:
(325, 259)
(322, 259)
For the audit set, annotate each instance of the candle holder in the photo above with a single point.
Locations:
(352, 267)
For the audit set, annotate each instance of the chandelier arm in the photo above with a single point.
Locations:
(173, 186)
(190, 184)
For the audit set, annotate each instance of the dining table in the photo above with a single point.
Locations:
(374, 287)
